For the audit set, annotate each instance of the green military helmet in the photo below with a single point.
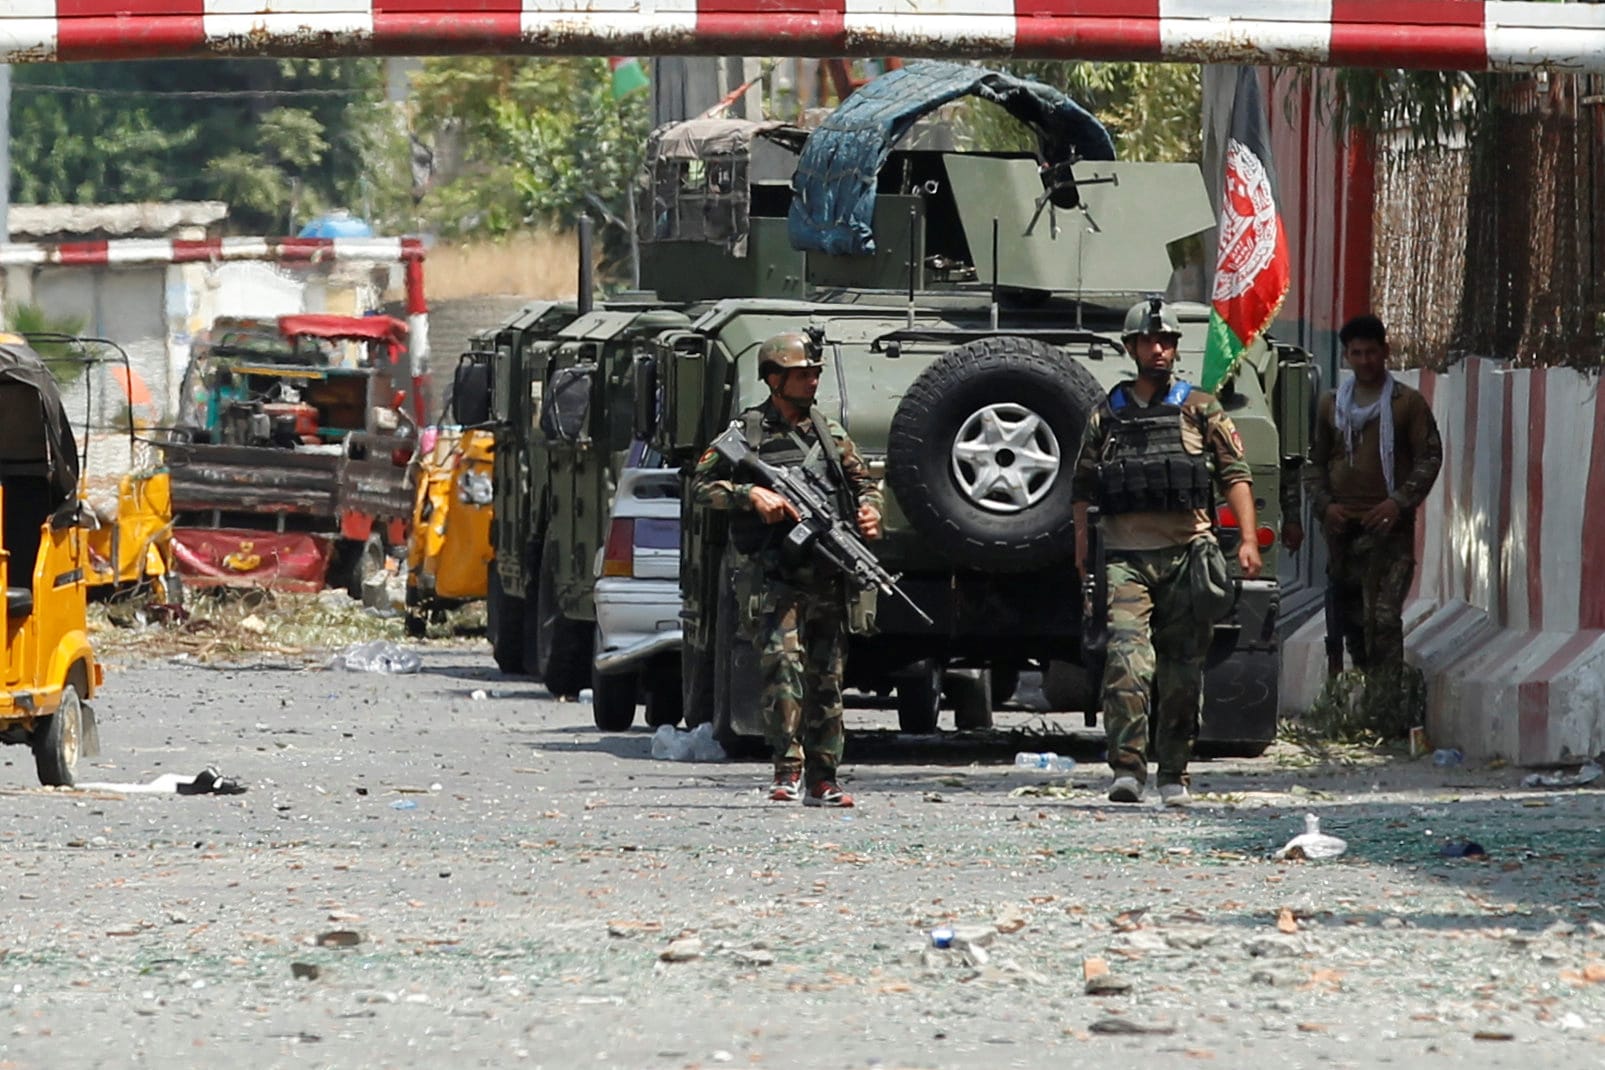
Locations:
(1150, 316)
(789, 349)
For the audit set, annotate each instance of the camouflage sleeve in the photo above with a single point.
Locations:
(1223, 442)
(1084, 482)
(1317, 474)
(866, 488)
(711, 485)
(1427, 448)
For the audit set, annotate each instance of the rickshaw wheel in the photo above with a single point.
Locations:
(57, 740)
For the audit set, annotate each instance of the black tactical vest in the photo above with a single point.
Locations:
(784, 449)
(1145, 468)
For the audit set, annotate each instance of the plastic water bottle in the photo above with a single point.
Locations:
(1046, 761)
(1447, 756)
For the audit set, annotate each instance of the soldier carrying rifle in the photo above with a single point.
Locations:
(798, 610)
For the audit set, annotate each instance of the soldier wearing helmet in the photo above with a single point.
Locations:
(1153, 454)
(795, 615)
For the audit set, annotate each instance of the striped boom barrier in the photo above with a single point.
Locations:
(1440, 34)
(142, 251)
(1507, 613)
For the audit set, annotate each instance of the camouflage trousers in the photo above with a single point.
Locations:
(801, 640)
(1370, 577)
(1153, 680)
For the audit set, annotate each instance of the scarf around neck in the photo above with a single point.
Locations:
(1351, 420)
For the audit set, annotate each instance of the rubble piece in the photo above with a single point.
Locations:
(683, 949)
(1590, 772)
(1098, 981)
(305, 971)
(1285, 921)
(1128, 1028)
(339, 938)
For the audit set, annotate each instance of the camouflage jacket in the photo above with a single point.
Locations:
(712, 484)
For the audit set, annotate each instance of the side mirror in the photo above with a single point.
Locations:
(644, 422)
(681, 369)
(470, 393)
(1294, 394)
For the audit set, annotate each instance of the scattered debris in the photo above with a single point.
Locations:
(682, 949)
(1312, 843)
(339, 938)
(376, 655)
(305, 971)
(1098, 981)
(207, 782)
(1590, 772)
(1285, 921)
(1468, 849)
(697, 745)
(1128, 1028)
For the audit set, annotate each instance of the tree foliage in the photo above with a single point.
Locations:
(1151, 109)
(542, 140)
(264, 135)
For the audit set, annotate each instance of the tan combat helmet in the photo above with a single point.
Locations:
(1150, 316)
(789, 349)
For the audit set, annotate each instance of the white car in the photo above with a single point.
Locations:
(637, 598)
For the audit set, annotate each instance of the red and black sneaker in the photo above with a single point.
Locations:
(786, 788)
(826, 793)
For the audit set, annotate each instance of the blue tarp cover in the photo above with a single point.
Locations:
(834, 186)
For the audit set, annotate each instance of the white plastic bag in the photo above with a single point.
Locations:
(1312, 843)
(697, 745)
(376, 655)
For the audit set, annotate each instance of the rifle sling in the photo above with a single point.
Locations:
(846, 499)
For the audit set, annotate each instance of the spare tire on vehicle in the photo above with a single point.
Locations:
(982, 448)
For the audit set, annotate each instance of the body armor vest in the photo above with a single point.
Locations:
(1145, 468)
(785, 449)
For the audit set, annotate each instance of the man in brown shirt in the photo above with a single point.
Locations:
(1375, 457)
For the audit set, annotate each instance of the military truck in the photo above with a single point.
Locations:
(563, 384)
(969, 308)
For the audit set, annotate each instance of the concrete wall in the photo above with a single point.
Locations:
(1507, 613)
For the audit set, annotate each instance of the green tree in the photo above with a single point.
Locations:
(256, 133)
(1152, 110)
(543, 140)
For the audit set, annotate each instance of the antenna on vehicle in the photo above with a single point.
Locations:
(913, 235)
(994, 273)
(583, 288)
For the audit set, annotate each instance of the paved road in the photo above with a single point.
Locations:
(515, 880)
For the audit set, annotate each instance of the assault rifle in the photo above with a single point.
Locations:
(821, 532)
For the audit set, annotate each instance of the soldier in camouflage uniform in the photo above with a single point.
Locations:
(801, 627)
(1151, 453)
(1375, 458)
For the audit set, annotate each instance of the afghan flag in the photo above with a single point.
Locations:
(1252, 270)
(628, 75)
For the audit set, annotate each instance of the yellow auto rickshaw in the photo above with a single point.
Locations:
(50, 669)
(126, 490)
(449, 553)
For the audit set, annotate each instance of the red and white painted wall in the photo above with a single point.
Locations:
(1507, 614)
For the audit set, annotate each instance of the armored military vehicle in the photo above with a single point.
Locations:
(712, 209)
(969, 308)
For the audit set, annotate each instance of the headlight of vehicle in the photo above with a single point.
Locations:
(475, 489)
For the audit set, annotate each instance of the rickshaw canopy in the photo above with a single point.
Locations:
(35, 436)
(340, 328)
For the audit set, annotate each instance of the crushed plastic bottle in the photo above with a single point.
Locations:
(376, 655)
(1312, 843)
(1046, 761)
(1447, 756)
(697, 745)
